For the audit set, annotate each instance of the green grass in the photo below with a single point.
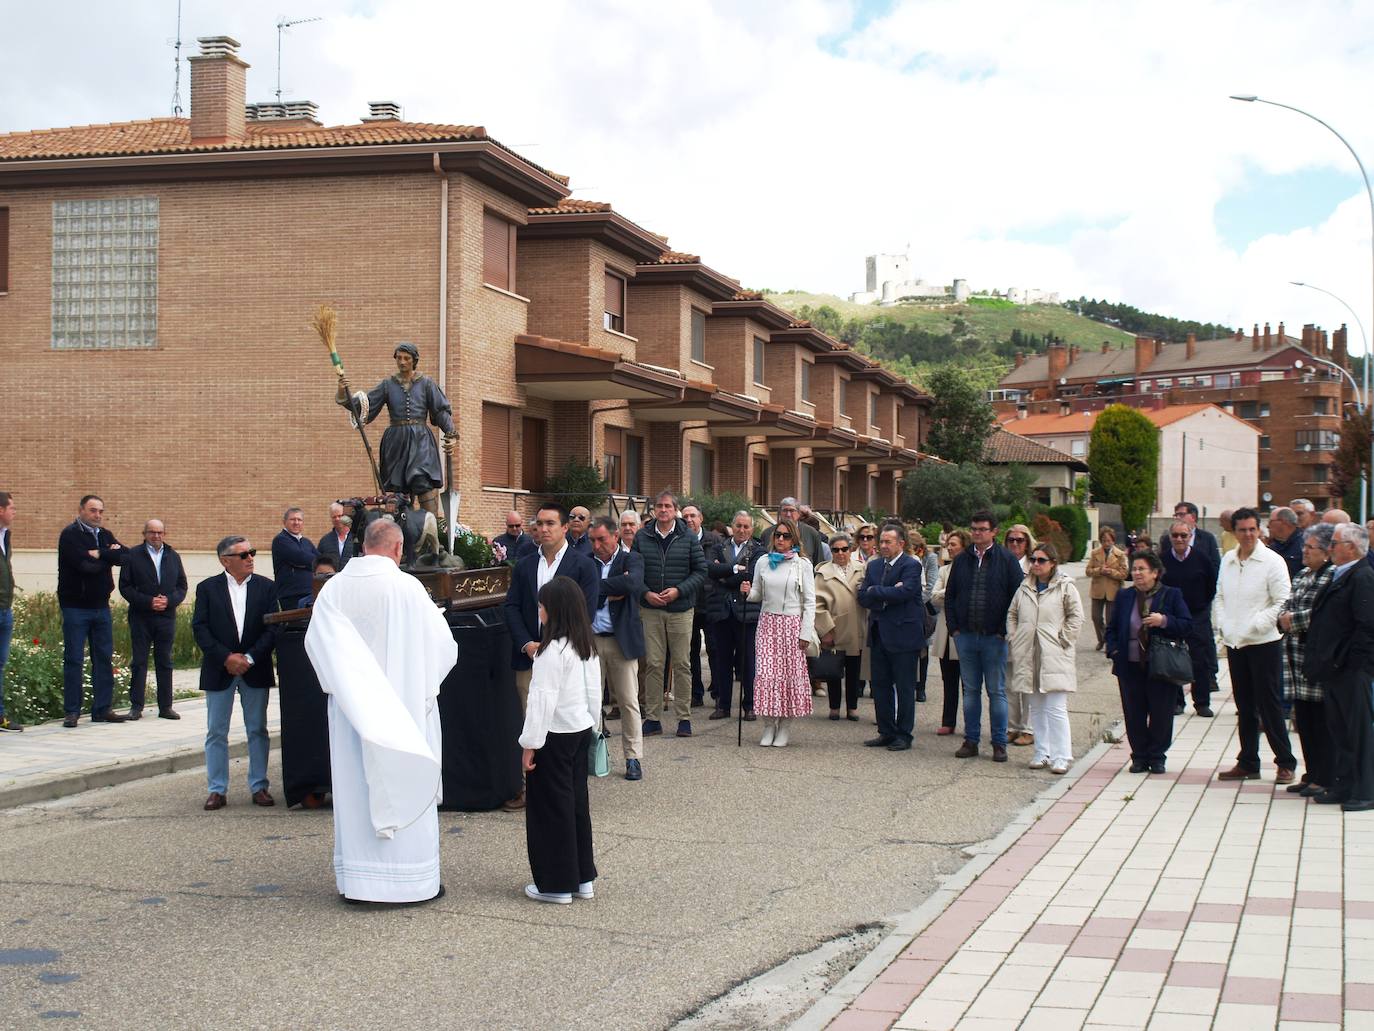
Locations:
(985, 320)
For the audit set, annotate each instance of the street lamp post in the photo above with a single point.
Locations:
(1359, 323)
(1369, 192)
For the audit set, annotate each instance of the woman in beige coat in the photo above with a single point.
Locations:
(1042, 627)
(1108, 569)
(942, 642)
(840, 622)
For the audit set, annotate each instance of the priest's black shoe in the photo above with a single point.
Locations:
(878, 742)
(1139, 767)
(1328, 798)
(1358, 805)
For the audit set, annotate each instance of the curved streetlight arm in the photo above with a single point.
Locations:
(1354, 387)
(1359, 323)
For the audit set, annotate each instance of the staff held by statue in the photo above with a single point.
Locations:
(326, 324)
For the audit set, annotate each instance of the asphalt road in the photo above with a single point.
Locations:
(129, 907)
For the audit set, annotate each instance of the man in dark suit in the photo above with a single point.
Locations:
(515, 540)
(555, 557)
(153, 582)
(620, 633)
(891, 592)
(1340, 657)
(1192, 572)
(338, 543)
(710, 606)
(731, 640)
(86, 555)
(579, 527)
(237, 657)
(1202, 540)
(1286, 539)
(293, 559)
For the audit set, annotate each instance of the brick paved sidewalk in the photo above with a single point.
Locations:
(51, 761)
(1171, 901)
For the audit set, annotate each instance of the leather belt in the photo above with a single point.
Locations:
(407, 422)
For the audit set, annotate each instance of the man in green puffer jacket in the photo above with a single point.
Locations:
(674, 570)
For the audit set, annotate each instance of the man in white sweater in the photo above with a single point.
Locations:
(1251, 590)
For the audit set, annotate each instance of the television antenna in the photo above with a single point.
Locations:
(176, 86)
(282, 25)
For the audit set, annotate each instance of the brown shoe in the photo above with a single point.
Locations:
(263, 797)
(967, 750)
(1023, 738)
(1284, 776)
(1238, 773)
(999, 753)
(514, 805)
(215, 801)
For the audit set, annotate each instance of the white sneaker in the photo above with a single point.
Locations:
(1059, 767)
(780, 738)
(769, 730)
(1039, 763)
(585, 890)
(561, 898)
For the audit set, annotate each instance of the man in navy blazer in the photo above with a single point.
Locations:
(293, 560)
(620, 632)
(153, 582)
(237, 657)
(338, 543)
(891, 591)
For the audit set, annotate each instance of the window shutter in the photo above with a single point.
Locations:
(4, 250)
(497, 248)
(496, 452)
(615, 302)
(698, 336)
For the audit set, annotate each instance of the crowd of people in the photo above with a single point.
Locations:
(608, 617)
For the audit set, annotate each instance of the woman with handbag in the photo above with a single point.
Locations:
(942, 643)
(1146, 643)
(1042, 629)
(784, 587)
(840, 623)
(561, 715)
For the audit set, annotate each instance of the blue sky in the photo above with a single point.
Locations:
(1264, 203)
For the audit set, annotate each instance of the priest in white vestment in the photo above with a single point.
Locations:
(381, 649)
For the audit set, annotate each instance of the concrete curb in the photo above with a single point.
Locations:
(110, 774)
(909, 925)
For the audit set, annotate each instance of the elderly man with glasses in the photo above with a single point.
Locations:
(1195, 575)
(579, 523)
(515, 541)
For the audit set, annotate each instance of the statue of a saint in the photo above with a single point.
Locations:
(409, 456)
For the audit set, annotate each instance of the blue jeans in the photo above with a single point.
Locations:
(6, 630)
(219, 707)
(983, 664)
(77, 626)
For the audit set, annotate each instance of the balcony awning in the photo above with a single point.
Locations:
(902, 458)
(699, 402)
(563, 371)
(775, 422)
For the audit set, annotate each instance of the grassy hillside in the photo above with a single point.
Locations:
(987, 324)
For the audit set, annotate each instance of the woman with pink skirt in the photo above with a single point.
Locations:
(784, 587)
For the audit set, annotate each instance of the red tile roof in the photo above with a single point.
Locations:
(570, 206)
(1004, 447)
(1083, 422)
(173, 136)
(675, 258)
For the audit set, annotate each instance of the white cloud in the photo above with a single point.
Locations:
(732, 127)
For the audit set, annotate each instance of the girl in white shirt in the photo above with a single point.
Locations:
(564, 705)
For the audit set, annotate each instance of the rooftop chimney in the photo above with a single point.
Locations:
(295, 114)
(1307, 335)
(1240, 334)
(1074, 352)
(1192, 345)
(1144, 354)
(1020, 359)
(1268, 337)
(1058, 356)
(1021, 411)
(218, 78)
(1106, 347)
(1254, 338)
(383, 111)
(1159, 347)
(1338, 348)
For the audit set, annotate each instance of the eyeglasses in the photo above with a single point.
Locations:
(242, 554)
(1039, 560)
(980, 529)
(1180, 536)
(514, 526)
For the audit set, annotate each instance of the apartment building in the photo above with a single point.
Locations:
(157, 280)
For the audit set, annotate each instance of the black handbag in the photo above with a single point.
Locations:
(828, 665)
(931, 619)
(1169, 660)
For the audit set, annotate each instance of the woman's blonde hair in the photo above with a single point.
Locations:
(790, 527)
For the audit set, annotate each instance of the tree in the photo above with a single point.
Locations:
(1352, 458)
(1123, 461)
(960, 418)
(935, 492)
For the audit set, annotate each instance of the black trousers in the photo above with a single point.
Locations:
(851, 684)
(160, 631)
(1349, 712)
(1148, 706)
(1315, 738)
(1202, 650)
(954, 693)
(734, 656)
(894, 690)
(922, 667)
(1257, 687)
(558, 823)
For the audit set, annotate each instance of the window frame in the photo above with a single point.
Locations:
(491, 411)
(697, 332)
(611, 319)
(760, 360)
(493, 222)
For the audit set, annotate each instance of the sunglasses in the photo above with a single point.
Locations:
(839, 549)
(1180, 536)
(783, 536)
(242, 554)
(865, 536)
(514, 526)
(1016, 540)
(580, 519)
(1039, 560)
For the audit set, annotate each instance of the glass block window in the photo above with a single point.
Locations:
(104, 273)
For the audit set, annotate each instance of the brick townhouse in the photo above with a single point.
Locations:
(1298, 409)
(157, 279)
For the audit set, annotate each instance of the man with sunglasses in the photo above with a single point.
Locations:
(579, 523)
(236, 651)
(982, 582)
(1193, 573)
(515, 540)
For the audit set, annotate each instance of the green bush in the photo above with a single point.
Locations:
(33, 680)
(934, 492)
(931, 532)
(722, 507)
(471, 547)
(37, 616)
(577, 483)
(1073, 519)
